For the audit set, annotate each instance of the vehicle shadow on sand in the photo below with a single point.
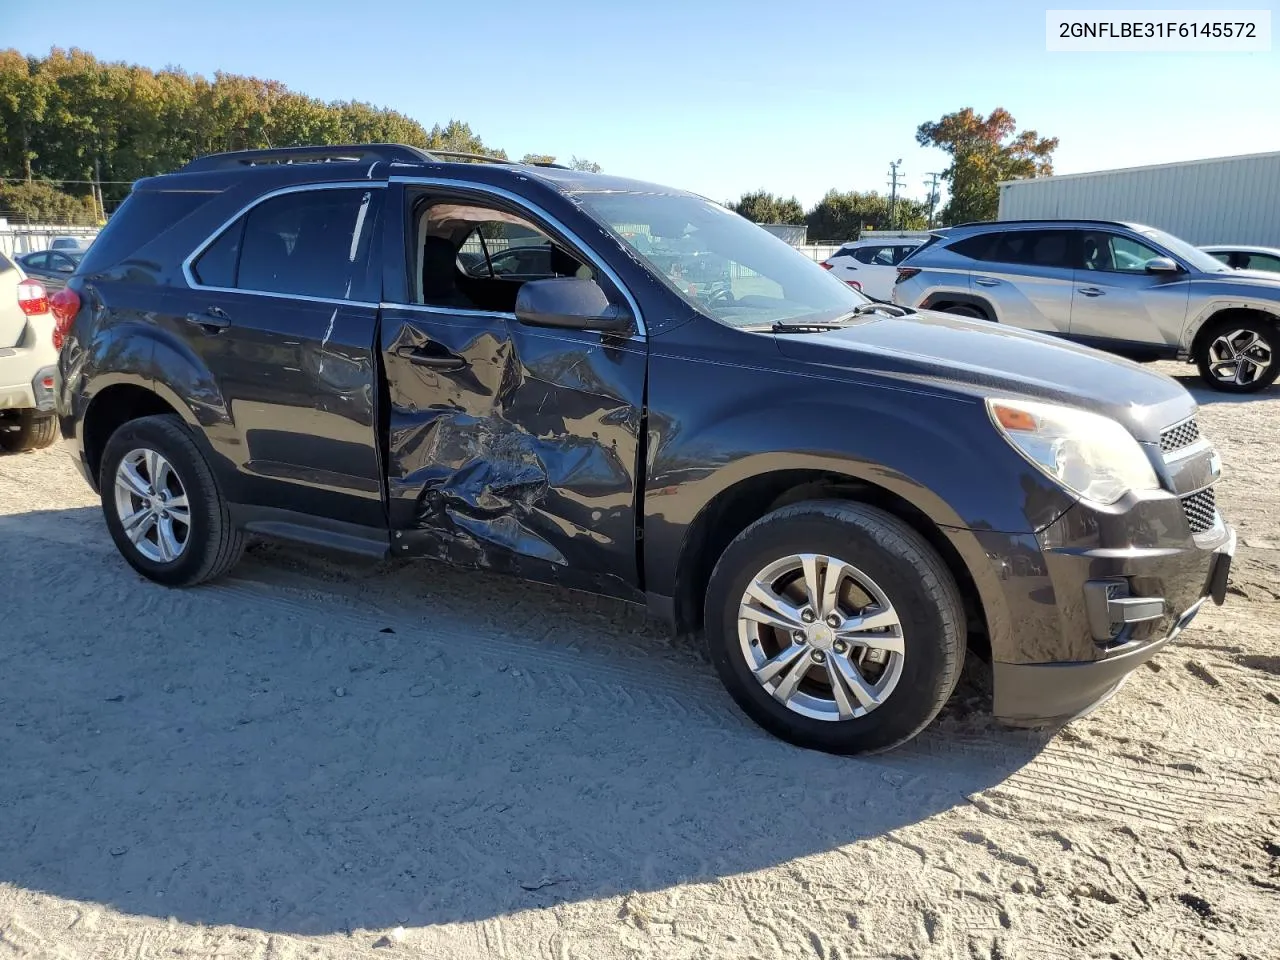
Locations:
(1206, 395)
(295, 751)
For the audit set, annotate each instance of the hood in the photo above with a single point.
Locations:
(983, 359)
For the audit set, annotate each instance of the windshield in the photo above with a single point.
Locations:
(721, 264)
(1192, 255)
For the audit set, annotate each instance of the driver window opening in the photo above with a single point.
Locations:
(473, 257)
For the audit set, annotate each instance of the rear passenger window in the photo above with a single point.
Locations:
(1035, 248)
(312, 243)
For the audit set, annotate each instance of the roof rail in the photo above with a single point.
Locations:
(323, 154)
(456, 155)
(460, 155)
(989, 223)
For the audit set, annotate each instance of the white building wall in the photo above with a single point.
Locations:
(1226, 200)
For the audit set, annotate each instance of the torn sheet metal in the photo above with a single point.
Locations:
(527, 449)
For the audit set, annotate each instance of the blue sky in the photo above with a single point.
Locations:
(715, 96)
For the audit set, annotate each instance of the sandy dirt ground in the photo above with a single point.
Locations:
(316, 758)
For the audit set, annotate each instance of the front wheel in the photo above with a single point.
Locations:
(1238, 356)
(162, 504)
(835, 626)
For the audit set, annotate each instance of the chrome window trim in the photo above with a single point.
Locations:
(539, 213)
(295, 188)
(446, 311)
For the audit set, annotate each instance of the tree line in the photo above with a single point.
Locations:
(983, 150)
(69, 120)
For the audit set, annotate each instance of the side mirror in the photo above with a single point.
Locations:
(66, 268)
(570, 303)
(1161, 265)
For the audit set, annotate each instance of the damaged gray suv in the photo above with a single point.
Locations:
(663, 404)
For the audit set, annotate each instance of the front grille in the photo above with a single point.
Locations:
(1200, 509)
(1180, 435)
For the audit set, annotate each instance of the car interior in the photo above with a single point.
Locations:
(457, 243)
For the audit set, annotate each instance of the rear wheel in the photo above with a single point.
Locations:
(964, 310)
(162, 504)
(1239, 356)
(835, 626)
(28, 430)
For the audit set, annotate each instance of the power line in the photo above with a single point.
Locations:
(124, 183)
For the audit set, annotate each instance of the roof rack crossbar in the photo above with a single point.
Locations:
(323, 154)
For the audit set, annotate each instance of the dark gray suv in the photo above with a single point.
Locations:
(683, 412)
(1122, 287)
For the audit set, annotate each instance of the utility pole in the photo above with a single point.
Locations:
(893, 193)
(932, 184)
(97, 189)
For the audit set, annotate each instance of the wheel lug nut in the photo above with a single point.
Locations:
(798, 636)
(808, 616)
(833, 620)
(819, 656)
(840, 646)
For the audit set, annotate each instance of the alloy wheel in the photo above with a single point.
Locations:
(1240, 357)
(151, 503)
(821, 637)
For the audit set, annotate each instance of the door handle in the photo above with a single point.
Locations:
(986, 281)
(433, 358)
(213, 320)
(1091, 292)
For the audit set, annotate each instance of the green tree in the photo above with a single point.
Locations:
(984, 151)
(40, 202)
(839, 217)
(761, 206)
(71, 117)
(582, 163)
(537, 158)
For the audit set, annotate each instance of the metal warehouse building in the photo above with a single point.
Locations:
(1222, 200)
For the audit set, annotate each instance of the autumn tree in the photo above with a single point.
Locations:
(760, 206)
(581, 163)
(537, 158)
(984, 151)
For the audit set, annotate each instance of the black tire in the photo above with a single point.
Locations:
(914, 579)
(965, 310)
(214, 544)
(1269, 337)
(30, 430)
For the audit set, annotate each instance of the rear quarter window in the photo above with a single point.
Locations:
(975, 248)
(144, 215)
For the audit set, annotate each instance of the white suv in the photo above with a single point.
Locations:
(872, 265)
(28, 362)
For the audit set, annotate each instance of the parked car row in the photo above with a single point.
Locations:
(52, 267)
(28, 361)
(1122, 287)
(686, 414)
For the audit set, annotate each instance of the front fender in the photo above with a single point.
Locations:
(937, 452)
(1237, 299)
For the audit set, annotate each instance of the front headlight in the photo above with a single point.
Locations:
(1090, 455)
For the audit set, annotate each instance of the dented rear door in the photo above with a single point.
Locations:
(510, 447)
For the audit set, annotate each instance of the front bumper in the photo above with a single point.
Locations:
(1034, 694)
